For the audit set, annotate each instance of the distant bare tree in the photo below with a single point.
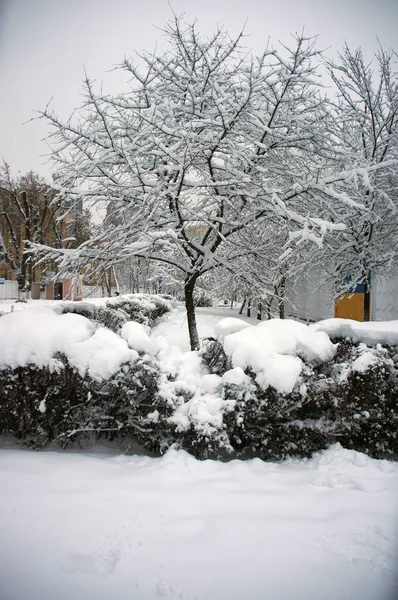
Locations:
(30, 212)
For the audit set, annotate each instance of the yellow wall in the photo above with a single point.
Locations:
(350, 306)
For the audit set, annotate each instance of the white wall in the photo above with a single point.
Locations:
(91, 291)
(306, 300)
(384, 298)
(9, 290)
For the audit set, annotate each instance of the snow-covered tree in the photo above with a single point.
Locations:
(30, 212)
(366, 132)
(207, 142)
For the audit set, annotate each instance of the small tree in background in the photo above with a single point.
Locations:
(365, 127)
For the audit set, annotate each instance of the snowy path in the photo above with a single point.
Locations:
(81, 527)
(174, 326)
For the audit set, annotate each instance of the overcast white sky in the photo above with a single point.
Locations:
(45, 43)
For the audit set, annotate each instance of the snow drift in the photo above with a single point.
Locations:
(100, 526)
(270, 390)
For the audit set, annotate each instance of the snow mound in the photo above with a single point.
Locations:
(101, 356)
(36, 336)
(137, 338)
(227, 326)
(184, 372)
(339, 467)
(371, 333)
(271, 348)
(235, 377)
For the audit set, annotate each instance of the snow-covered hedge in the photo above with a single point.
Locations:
(287, 389)
(275, 389)
(142, 308)
(64, 375)
(39, 405)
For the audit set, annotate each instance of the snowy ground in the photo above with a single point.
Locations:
(98, 525)
(175, 328)
(80, 527)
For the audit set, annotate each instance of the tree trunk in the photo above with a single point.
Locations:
(189, 287)
(21, 279)
(366, 302)
(242, 306)
(116, 280)
(21, 287)
(281, 302)
(249, 306)
(108, 280)
(259, 310)
(268, 305)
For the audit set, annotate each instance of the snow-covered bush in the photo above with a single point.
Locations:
(64, 376)
(272, 390)
(365, 397)
(142, 308)
(202, 298)
(214, 357)
(39, 405)
(352, 399)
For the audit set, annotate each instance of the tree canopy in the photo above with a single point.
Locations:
(209, 148)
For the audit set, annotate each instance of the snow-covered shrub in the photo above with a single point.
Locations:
(63, 376)
(113, 318)
(365, 395)
(202, 298)
(142, 308)
(214, 357)
(39, 405)
(166, 297)
(352, 399)
(118, 406)
(85, 309)
(272, 390)
(266, 423)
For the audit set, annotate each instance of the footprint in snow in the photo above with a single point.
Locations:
(100, 565)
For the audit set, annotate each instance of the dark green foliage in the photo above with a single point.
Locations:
(334, 402)
(142, 308)
(85, 309)
(112, 318)
(214, 357)
(39, 406)
(352, 399)
(370, 399)
(24, 391)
